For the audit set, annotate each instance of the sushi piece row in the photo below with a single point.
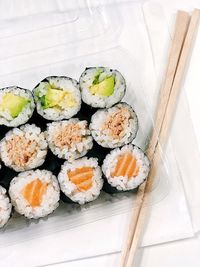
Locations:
(25, 148)
(59, 97)
(36, 193)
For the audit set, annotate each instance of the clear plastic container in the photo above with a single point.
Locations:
(64, 43)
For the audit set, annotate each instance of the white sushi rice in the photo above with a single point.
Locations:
(50, 199)
(69, 150)
(122, 183)
(36, 147)
(24, 115)
(103, 136)
(70, 189)
(5, 207)
(97, 101)
(66, 84)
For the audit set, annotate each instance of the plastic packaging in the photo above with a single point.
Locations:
(64, 43)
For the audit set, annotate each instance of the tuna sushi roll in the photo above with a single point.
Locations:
(5, 207)
(126, 168)
(57, 98)
(16, 106)
(115, 126)
(69, 139)
(102, 87)
(35, 194)
(81, 180)
(23, 148)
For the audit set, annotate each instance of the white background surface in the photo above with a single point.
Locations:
(182, 253)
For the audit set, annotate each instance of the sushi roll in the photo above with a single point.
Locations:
(81, 180)
(126, 168)
(69, 139)
(5, 207)
(16, 106)
(102, 87)
(23, 148)
(115, 126)
(57, 98)
(34, 194)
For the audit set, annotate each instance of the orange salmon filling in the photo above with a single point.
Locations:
(34, 191)
(126, 166)
(81, 177)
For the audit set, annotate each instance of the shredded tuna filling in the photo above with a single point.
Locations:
(34, 191)
(67, 135)
(126, 166)
(21, 151)
(82, 178)
(117, 122)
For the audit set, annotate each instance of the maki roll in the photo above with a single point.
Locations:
(69, 139)
(115, 126)
(35, 194)
(23, 148)
(102, 87)
(5, 207)
(16, 106)
(57, 98)
(81, 180)
(126, 168)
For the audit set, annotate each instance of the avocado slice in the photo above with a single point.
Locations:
(104, 88)
(53, 97)
(13, 103)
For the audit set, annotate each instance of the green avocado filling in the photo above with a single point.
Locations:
(54, 97)
(13, 104)
(104, 87)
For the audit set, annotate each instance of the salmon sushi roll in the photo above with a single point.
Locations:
(81, 180)
(102, 87)
(16, 106)
(24, 148)
(57, 98)
(5, 207)
(126, 168)
(115, 126)
(69, 139)
(35, 194)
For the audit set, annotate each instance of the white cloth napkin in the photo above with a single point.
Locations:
(169, 218)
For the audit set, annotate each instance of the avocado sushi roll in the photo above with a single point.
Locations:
(16, 106)
(34, 194)
(5, 207)
(115, 126)
(69, 139)
(81, 180)
(126, 168)
(23, 148)
(57, 98)
(102, 87)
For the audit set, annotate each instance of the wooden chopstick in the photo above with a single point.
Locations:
(153, 151)
(192, 29)
(181, 26)
(182, 21)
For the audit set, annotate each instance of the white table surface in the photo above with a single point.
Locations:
(180, 253)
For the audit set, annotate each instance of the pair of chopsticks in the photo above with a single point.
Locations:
(185, 30)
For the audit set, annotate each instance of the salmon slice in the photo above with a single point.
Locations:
(34, 191)
(81, 177)
(126, 166)
(84, 186)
